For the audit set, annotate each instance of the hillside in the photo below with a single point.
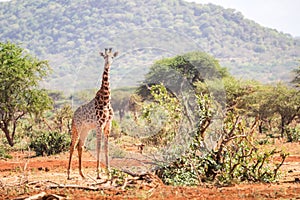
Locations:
(70, 33)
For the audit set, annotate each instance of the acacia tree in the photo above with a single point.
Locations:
(270, 102)
(286, 102)
(20, 74)
(181, 75)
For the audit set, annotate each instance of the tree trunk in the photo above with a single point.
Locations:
(121, 114)
(282, 127)
(260, 127)
(8, 137)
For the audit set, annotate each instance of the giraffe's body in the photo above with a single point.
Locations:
(85, 118)
(97, 114)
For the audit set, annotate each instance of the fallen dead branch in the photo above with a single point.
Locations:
(80, 187)
(42, 195)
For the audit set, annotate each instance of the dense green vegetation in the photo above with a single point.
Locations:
(69, 34)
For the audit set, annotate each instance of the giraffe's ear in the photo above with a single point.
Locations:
(101, 54)
(116, 54)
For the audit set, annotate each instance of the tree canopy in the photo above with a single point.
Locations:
(182, 72)
(20, 74)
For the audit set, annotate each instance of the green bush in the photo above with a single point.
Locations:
(50, 143)
(233, 159)
(232, 167)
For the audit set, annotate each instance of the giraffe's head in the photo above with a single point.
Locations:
(108, 56)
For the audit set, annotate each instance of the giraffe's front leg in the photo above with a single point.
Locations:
(98, 146)
(106, 154)
(107, 130)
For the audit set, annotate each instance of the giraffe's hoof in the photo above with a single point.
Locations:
(102, 175)
(82, 176)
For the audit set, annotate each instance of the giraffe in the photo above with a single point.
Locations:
(97, 114)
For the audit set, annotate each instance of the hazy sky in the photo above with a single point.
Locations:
(283, 15)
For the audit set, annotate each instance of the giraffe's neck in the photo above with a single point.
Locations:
(105, 78)
(103, 94)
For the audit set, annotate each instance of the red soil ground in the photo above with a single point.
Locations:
(23, 176)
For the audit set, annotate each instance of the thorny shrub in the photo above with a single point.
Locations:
(234, 158)
(165, 108)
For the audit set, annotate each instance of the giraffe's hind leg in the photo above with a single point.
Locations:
(74, 142)
(80, 149)
(70, 160)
